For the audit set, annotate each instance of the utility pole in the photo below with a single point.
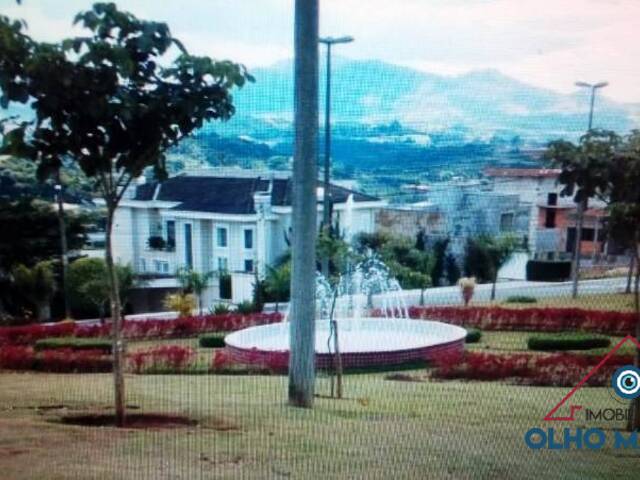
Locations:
(304, 222)
(326, 201)
(583, 205)
(63, 244)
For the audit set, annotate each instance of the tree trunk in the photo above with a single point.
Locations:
(116, 324)
(575, 266)
(422, 297)
(493, 289)
(63, 248)
(304, 221)
(632, 265)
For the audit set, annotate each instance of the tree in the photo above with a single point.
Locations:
(35, 223)
(89, 283)
(278, 283)
(485, 255)
(36, 285)
(112, 101)
(194, 282)
(303, 267)
(583, 176)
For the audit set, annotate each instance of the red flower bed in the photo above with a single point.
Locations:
(18, 357)
(139, 329)
(530, 319)
(173, 358)
(562, 369)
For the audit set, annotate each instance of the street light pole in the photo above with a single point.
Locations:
(593, 88)
(63, 245)
(326, 200)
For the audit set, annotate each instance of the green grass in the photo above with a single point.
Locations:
(621, 302)
(382, 429)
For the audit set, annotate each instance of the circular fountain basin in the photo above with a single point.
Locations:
(366, 342)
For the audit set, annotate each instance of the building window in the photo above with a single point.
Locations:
(221, 236)
(550, 218)
(248, 266)
(188, 246)
(143, 265)
(506, 222)
(223, 264)
(248, 239)
(161, 266)
(171, 234)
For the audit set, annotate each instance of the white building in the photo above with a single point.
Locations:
(236, 224)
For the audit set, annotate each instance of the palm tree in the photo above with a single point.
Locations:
(304, 200)
(194, 282)
(278, 283)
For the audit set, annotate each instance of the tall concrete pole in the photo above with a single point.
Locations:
(304, 220)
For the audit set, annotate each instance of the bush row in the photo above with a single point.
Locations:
(530, 319)
(18, 357)
(138, 329)
(567, 342)
(561, 369)
(73, 343)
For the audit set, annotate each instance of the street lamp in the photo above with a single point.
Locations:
(326, 200)
(593, 88)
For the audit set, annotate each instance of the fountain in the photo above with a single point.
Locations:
(368, 337)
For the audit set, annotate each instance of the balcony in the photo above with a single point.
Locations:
(159, 244)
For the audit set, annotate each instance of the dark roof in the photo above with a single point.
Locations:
(229, 194)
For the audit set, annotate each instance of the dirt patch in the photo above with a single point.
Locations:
(137, 421)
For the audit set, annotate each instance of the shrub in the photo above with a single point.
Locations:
(14, 357)
(221, 309)
(183, 303)
(17, 357)
(548, 271)
(73, 343)
(246, 307)
(473, 335)
(168, 358)
(567, 342)
(212, 340)
(521, 299)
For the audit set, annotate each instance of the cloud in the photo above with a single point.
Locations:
(548, 43)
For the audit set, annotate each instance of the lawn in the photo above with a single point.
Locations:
(383, 429)
(622, 302)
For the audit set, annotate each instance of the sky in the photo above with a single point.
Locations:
(546, 43)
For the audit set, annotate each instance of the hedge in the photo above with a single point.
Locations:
(530, 319)
(473, 335)
(212, 340)
(567, 342)
(548, 271)
(138, 329)
(18, 357)
(73, 343)
(521, 299)
(560, 370)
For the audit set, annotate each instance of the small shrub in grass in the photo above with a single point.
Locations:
(245, 308)
(521, 299)
(72, 343)
(567, 342)
(473, 335)
(212, 340)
